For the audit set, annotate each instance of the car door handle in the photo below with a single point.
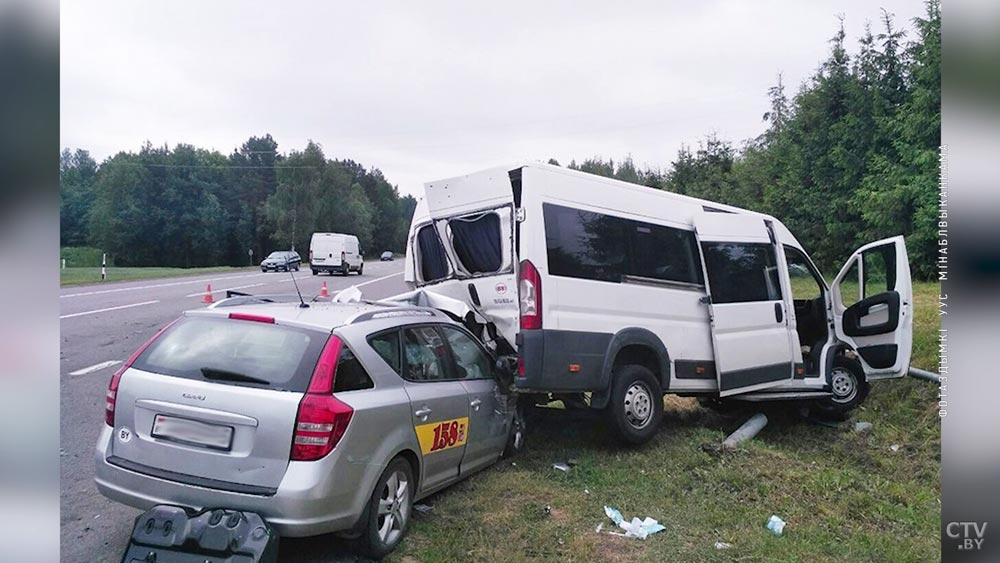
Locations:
(422, 413)
(475, 404)
(779, 313)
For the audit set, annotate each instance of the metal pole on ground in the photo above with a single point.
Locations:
(925, 375)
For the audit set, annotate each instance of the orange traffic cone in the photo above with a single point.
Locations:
(323, 292)
(208, 295)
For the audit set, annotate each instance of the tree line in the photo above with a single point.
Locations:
(188, 207)
(850, 158)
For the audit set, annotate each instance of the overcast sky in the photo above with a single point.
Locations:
(427, 90)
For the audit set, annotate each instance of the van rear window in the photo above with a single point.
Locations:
(433, 262)
(476, 241)
(236, 352)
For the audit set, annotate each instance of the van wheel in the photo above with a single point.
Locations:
(636, 404)
(387, 515)
(361, 269)
(315, 272)
(849, 388)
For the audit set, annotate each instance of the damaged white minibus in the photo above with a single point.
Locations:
(611, 294)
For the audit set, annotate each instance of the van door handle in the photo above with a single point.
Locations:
(422, 413)
(475, 404)
(779, 314)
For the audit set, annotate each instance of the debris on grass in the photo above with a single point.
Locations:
(561, 467)
(750, 428)
(423, 508)
(548, 509)
(894, 447)
(635, 528)
(586, 491)
(862, 426)
(722, 545)
(775, 525)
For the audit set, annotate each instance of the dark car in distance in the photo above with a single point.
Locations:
(281, 260)
(387, 256)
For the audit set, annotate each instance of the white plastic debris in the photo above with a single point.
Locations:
(600, 526)
(586, 491)
(561, 467)
(722, 545)
(423, 508)
(776, 525)
(349, 295)
(635, 528)
(894, 447)
(862, 426)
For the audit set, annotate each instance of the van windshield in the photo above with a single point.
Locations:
(236, 352)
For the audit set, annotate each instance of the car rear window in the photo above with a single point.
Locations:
(236, 352)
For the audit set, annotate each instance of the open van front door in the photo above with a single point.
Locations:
(873, 307)
(466, 249)
(750, 332)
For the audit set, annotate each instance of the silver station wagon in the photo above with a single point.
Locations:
(331, 418)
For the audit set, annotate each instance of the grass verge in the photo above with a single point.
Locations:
(77, 276)
(846, 496)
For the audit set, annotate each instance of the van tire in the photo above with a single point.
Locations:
(361, 269)
(370, 543)
(636, 406)
(849, 386)
(315, 272)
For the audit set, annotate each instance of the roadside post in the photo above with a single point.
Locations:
(250, 252)
(104, 266)
(63, 263)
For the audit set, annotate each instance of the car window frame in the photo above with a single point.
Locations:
(813, 270)
(450, 365)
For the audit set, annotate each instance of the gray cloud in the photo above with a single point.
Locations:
(430, 90)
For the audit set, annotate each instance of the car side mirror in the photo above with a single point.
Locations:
(505, 369)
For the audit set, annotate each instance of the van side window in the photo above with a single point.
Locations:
(583, 244)
(804, 283)
(433, 262)
(476, 241)
(351, 375)
(594, 246)
(879, 269)
(663, 253)
(741, 272)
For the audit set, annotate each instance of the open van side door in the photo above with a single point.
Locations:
(873, 307)
(750, 332)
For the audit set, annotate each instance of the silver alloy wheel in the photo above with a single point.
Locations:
(393, 508)
(844, 385)
(638, 405)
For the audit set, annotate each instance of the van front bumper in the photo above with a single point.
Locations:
(313, 497)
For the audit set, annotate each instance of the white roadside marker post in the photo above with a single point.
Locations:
(104, 266)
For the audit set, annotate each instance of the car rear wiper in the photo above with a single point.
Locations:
(223, 375)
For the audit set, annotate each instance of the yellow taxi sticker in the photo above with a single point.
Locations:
(440, 436)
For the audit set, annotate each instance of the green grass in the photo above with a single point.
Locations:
(76, 276)
(846, 496)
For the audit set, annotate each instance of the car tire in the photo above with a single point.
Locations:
(361, 269)
(636, 406)
(263, 270)
(315, 272)
(376, 539)
(849, 386)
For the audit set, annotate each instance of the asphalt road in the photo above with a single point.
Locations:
(101, 325)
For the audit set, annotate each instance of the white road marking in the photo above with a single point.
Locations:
(226, 289)
(380, 279)
(109, 309)
(202, 280)
(96, 367)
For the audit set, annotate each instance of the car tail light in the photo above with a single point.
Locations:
(529, 289)
(109, 405)
(343, 257)
(322, 419)
(310, 255)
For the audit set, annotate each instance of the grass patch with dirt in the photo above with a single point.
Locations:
(846, 496)
(77, 276)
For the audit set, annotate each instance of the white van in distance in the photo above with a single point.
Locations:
(335, 252)
(611, 294)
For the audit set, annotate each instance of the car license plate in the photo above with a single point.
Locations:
(192, 432)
